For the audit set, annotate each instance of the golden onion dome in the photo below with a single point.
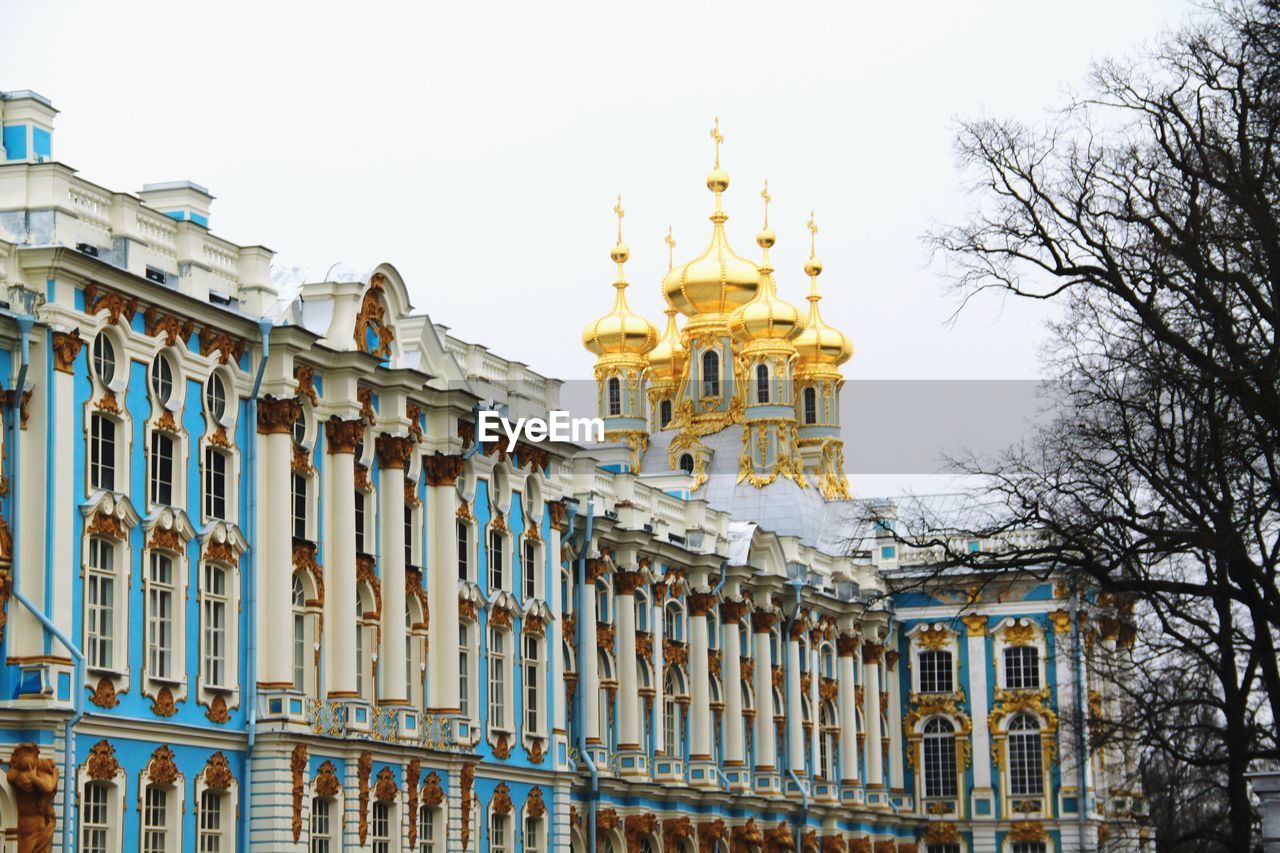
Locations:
(819, 344)
(620, 332)
(718, 280)
(667, 358)
(766, 317)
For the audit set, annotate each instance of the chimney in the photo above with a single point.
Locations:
(26, 127)
(181, 200)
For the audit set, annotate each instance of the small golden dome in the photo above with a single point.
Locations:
(620, 332)
(667, 358)
(819, 345)
(719, 280)
(766, 317)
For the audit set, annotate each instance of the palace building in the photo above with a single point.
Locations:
(264, 588)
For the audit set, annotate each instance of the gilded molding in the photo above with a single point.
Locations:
(327, 783)
(385, 788)
(342, 436)
(228, 348)
(363, 766)
(97, 298)
(217, 773)
(394, 451)
(102, 765)
(66, 346)
(161, 769)
(305, 376)
(276, 415)
(373, 318)
(157, 322)
(298, 770)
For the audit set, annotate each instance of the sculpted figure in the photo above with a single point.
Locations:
(35, 783)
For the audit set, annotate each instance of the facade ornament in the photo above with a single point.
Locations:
(161, 769)
(413, 414)
(501, 802)
(833, 844)
(227, 347)
(156, 322)
(66, 347)
(411, 774)
(711, 831)
(536, 753)
(97, 298)
(975, 624)
(1027, 831)
(102, 765)
(468, 778)
(327, 783)
(342, 436)
(217, 773)
(861, 844)
(432, 793)
(762, 621)
(745, 836)
(104, 695)
(441, 470)
(779, 838)
(163, 705)
(363, 767)
(385, 788)
(700, 603)
(372, 333)
(871, 652)
(502, 747)
(217, 712)
(277, 415)
(305, 376)
(34, 782)
(607, 820)
(298, 770)
(364, 396)
(534, 806)
(675, 831)
(933, 637)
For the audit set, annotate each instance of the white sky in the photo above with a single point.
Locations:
(479, 146)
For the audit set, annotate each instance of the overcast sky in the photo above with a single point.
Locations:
(478, 147)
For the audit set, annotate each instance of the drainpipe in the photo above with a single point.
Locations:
(594, 791)
(251, 554)
(1077, 675)
(797, 585)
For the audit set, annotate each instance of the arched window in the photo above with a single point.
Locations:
(827, 742)
(1022, 668)
(615, 396)
(935, 672)
(673, 622)
(664, 414)
(686, 463)
(462, 531)
(464, 671)
(762, 383)
(602, 601)
(711, 374)
(362, 645)
(810, 406)
(939, 759)
(161, 469)
(102, 452)
(642, 610)
(713, 630)
(104, 359)
(1026, 760)
(673, 714)
(162, 378)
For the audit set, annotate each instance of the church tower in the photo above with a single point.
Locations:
(763, 332)
(666, 363)
(620, 341)
(820, 349)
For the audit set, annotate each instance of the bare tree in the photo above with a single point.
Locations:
(1148, 207)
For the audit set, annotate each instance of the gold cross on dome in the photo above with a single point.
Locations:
(764, 194)
(617, 208)
(670, 240)
(718, 137)
(813, 232)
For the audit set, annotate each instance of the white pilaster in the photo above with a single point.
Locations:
(393, 456)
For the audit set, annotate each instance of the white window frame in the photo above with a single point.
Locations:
(533, 675)
(177, 621)
(499, 706)
(225, 834)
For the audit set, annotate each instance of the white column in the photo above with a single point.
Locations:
(976, 641)
(699, 683)
(847, 648)
(628, 686)
(871, 712)
(440, 473)
(341, 438)
(731, 677)
(895, 722)
(765, 743)
(795, 713)
(555, 659)
(275, 420)
(658, 720)
(393, 458)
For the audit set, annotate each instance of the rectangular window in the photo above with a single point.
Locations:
(360, 522)
(215, 484)
(160, 596)
(531, 660)
(94, 827)
(101, 605)
(464, 673)
(320, 825)
(496, 578)
(464, 550)
(531, 833)
(155, 821)
(497, 680)
(161, 469)
(299, 490)
(210, 822)
(1026, 764)
(1028, 847)
(408, 535)
(426, 830)
(935, 672)
(498, 833)
(215, 626)
(1022, 668)
(381, 827)
(102, 453)
(530, 566)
